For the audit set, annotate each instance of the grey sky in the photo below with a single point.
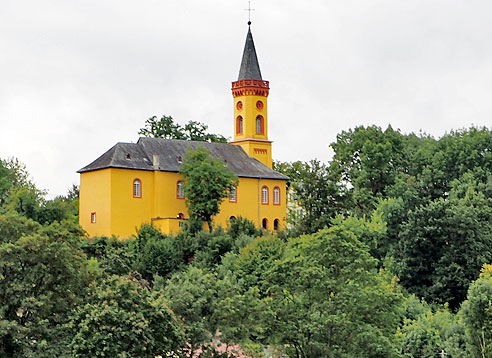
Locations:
(78, 76)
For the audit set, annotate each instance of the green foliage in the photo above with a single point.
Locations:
(165, 127)
(432, 334)
(207, 183)
(477, 315)
(242, 226)
(327, 298)
(443, 245)
(312, 190)
(192, 294)
(369, 159)
(42, 278)
(157, 254)
(14, 226)
(255, 260)
(123, 318)
(216, 247)
(114, 256)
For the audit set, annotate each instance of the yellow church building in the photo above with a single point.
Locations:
(136, 183)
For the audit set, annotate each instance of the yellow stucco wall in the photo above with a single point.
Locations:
(254, 144)
(95, 197)
(109, 193)
(249, 112)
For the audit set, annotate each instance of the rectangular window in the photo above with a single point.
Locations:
(264, 195)
(93, 218)
(233, 195)
(276, 196)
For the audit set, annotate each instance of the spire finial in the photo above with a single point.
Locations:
(249, 9)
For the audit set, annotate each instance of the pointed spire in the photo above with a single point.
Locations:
(250, 68)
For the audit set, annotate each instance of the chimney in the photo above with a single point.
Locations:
(155, 161)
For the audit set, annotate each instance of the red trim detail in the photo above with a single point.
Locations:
(250, 87)
(250, 83)
(279, 200)
(259, 105)
(233, 201)
(267, 196)
(239, 105)
(177, 190)
(133, 188)
(260, 151)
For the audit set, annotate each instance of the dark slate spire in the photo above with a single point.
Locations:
(250, 68)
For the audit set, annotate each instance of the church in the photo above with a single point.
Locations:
(136, 183)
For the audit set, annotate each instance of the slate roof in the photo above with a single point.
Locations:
(250, 68)
(139, 156)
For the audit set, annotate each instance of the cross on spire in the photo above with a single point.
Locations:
(249, 9)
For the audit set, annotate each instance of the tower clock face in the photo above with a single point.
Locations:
(259, 105)
(239, 105)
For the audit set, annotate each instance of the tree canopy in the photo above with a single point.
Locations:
(166, 127)
(207, 181)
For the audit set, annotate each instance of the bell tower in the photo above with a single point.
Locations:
(250, 94)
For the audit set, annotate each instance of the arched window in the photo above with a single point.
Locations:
(276, 195)
(180, 190)
(264, 195)
(259, 125)
(264, 223)
(180, 216)
(233, 195)
(275, 224)
(232, 219)
(239, 125)
(137, 188)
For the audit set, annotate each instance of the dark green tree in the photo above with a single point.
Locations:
(43, 274)
(192, 295)
(123, 318)
(312, 190)
(327, 298)
(165, 127)
(365, 164)
(477, 315)
(444, 244)
(207, 183)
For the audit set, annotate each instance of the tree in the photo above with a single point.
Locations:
(43, 274)
(165, 127)
(477, 315)
(123, 318)
(327, 298)
(444, 244)
(192, 294)
(365, 163)
(207, 182)
(314, 191)
(431, 333)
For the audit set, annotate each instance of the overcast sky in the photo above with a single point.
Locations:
(76, 77)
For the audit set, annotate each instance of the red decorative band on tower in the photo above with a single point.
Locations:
(250, 87)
